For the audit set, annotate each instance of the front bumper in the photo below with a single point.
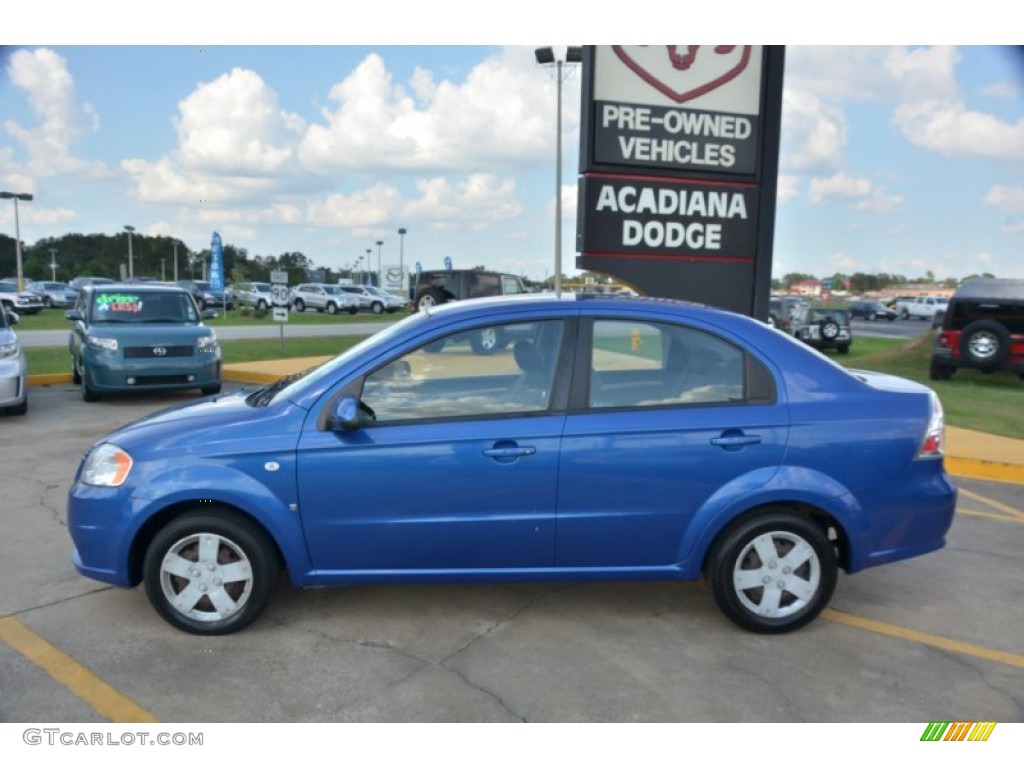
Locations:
(109, 372)
(13, 381)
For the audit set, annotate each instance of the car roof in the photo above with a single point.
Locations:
(990, 288)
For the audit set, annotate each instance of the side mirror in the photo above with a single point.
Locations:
(73, 314)
(209, 314)
(344, 414)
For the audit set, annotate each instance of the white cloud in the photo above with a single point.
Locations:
(63, 121)
(950, 128)
(1009, 199)
(788, 188)
(500, 116)
(860, 193)
(813, 134)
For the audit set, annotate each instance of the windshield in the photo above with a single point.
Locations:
(142, 307)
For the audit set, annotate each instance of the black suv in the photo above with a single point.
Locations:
(441, 285)
(824, 328)
(983, 328)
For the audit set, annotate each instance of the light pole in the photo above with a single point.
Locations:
(546, 57)
(53, 264)
(401, 260)
(379, 281)
(369, 262)
(131, 268)
(16, 196)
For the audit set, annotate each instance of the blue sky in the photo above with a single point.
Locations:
(894, 159)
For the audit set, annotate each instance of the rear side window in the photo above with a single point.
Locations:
(639, 364)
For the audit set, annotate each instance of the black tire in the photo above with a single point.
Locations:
(89, 394)
(829, 330)
(904, 315)
(429, 297)
(221, 604)
(487, 341)
(76, 377)
(20, 409)
(300, 305)
(985, 343)
(801, 576)
(940, 371)
(377, 308)
(213, 389)
(48, 302)
(872, 316)
(262, 304)
(332, 308)
(353, 310)
(843, 349)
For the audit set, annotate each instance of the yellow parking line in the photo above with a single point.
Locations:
(935, 641)
(990, 515)
(99, 695)
(1005, 508)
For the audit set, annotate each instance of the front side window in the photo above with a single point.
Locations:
(490, 371)
(651, 364)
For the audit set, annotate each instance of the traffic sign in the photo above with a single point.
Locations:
(280, 314)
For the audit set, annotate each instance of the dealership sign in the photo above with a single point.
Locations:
(678, 157)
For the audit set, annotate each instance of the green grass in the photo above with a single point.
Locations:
(53, 319)
(972, 400)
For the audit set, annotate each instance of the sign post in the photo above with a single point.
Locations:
(279, 283)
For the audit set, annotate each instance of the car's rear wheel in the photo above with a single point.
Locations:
(772, 573)
(300, 305)
(487, 341)
(430, 297)
(353, 310)
(829, 329)
(210, 574)
(985, 343)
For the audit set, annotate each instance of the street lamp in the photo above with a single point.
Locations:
(379, 281)
(401, 259)
(546, 57)
(16, 196)
(131, 268)
(53, 264)
(369, 262)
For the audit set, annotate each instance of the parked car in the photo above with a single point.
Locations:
(80, 282)
(618, 438)
(921, 307)
(205, 296)
(871, 310)
(824, 328)
(54, 294)
(439, 286)
(258, 295)
(139, 337)
(983, 328)
(13, 369)
(22, 302)
(781, 310)
(373, 299)
(323, 298)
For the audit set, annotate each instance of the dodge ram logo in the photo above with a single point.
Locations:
(684, 72)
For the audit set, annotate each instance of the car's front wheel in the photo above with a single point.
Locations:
(210, 573)
(377, 308)
(89, 394)
(300, 305)
(772, 573)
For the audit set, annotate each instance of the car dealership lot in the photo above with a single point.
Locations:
(885, 651)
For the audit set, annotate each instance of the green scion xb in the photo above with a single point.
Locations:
(141, 337)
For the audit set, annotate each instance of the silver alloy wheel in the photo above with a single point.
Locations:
(983, 344)
(206, 577)
(777, 574)
(426, 300)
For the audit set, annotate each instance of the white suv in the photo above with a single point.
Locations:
(374, 299)
(323, 298)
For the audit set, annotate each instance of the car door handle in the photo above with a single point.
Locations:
(505, 452)
(734, 440)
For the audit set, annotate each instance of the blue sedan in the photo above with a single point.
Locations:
(614, 439)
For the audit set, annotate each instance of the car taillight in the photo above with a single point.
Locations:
(935, 436)
(943, 340)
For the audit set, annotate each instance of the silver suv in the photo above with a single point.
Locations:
(323, 298)
(373, 299)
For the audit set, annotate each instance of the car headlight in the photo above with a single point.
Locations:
(100, 342)
(207, 342)
(107, 465)
(9, 350)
